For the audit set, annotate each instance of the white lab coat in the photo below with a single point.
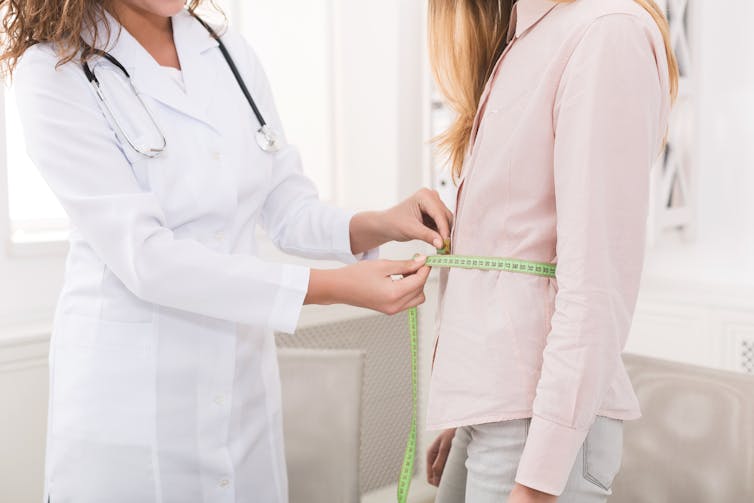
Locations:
(164, 379)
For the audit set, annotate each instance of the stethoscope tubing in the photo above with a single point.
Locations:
(267, 138)
(152, 152)
(234, 69)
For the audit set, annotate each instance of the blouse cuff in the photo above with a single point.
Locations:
(549, 456)
(289, 300)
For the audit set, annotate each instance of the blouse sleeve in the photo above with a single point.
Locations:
(608, 125)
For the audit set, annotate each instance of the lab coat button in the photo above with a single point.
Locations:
(219, 235)
(224, 483)
(219, 400)
(216, 156)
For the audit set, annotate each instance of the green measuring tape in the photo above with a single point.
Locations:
(463, 262)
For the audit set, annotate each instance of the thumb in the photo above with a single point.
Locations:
(430, 236)
(407, 267)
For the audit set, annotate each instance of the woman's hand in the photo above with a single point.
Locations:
(437, 455)
(523, 494)
(422, 216)
(370, 284)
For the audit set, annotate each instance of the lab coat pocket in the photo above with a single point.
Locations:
(103, 385)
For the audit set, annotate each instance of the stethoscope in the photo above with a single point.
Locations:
(267, 138)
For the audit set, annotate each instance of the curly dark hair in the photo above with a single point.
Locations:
(24, 23)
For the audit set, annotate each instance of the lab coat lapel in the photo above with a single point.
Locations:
(201, 61)
(150, 79)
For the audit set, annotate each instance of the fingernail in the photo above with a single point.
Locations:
(419, 257)
(437, 243)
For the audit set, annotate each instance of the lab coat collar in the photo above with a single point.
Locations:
(192, 43)
(527, 13)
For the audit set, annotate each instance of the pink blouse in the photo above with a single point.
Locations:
(568, 127)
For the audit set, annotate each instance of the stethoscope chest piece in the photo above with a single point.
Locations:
(268, 139)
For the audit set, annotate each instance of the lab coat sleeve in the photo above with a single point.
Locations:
(608, 122)
(72, 145)
(293, 215)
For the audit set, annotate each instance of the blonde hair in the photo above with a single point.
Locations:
(466, 38)
(24, 23)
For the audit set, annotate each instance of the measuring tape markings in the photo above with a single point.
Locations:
(463, 262)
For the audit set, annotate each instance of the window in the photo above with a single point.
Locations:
(34, 213)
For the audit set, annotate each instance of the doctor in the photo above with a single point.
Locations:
(164, 382)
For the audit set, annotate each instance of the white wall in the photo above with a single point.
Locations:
(293, 39)
(379, 79)
(726, 123)
(724, 51)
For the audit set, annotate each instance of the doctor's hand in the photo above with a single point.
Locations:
(422, 216)
(373, 284)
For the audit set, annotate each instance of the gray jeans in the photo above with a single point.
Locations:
(483, 460)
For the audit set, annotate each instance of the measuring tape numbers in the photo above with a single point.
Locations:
(462, 262)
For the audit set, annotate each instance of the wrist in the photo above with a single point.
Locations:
(368, 230)
(329, 286)
(321, 289)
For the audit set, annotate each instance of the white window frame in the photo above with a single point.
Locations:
(675, 173)
(38, 239)
(4, 194)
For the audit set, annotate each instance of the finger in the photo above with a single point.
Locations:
(415, 301)
(434, 207)
(449, 214)
(431, 455)
(426, 234)
(442, 457)
(451, 218)
(411, 286)
(442, 217)
(426, 230)
(404, 267)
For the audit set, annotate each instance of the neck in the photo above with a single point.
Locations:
(152, 31)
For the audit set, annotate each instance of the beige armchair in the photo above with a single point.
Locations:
(321, 417)
(695, 441)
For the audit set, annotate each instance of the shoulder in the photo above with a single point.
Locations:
(37, 58)
(39, 68)
(39, 81)
(240, 48)
(245, 57)
(606, 38)
(609, 32)
(625, 17)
